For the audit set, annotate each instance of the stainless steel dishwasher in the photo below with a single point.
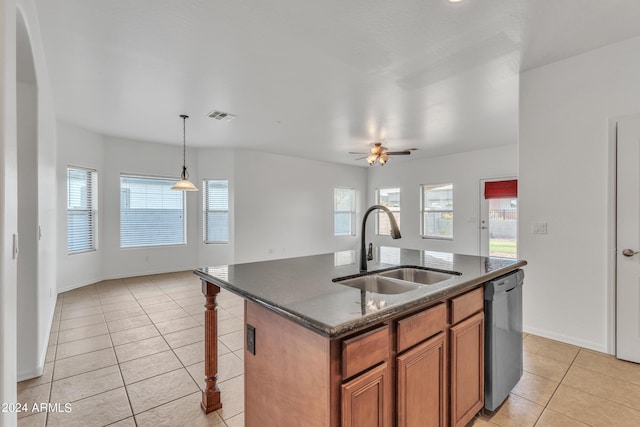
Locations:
(503, 337)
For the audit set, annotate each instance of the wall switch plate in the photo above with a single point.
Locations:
(251, 339)
(539, 228)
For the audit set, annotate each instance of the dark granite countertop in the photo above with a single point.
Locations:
(302, 289)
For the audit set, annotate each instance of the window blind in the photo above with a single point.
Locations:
(151, 214)
(437, 211)
(344, 212)
(81, 209)
(501, 189)
(216, 211)
(390, 198)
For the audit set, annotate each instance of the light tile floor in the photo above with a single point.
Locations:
(130, 352)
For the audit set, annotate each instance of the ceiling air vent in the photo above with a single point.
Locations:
(221, 115)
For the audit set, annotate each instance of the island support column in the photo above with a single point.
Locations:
(210, 393)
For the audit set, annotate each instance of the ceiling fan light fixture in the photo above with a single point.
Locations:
(184, 184)
(381, 154)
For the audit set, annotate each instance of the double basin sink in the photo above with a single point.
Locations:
(397, 280)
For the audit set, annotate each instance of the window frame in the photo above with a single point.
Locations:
(171, 181)
(91, 196)
(396, 213)
(423, 211)
(205, 211)
(352, 211)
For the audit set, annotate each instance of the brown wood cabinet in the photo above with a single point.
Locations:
(423, 369)
(467, 369)
(366, 399)
(422, 384)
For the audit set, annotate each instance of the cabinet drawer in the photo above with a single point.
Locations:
(364, 351)
(467, 304)
(420, 326)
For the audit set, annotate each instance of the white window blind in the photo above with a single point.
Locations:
(216, 211)
(81, 209)
(390, 198)
(437, 211)
(151, 214)
(344, 212)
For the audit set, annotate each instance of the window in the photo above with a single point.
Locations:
(344, 212)
(390, 198)
(81, 209)
(151, 214)
(437, 211)
(216, 211)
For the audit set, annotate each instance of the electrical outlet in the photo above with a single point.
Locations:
(251, 339)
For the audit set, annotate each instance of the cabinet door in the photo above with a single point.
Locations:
(422, 389)
(366, 400)
(467, 369)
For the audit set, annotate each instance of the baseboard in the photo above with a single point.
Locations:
(31, 374)
(567, 339)
(120, 276)
(39, 369)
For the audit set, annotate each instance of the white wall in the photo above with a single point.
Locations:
(8, 211)
(464, 170)
(80, 148)
(27, 285)
(216, 164)
(40, 117)
(284, 206)
(566, 167)
(279, 206)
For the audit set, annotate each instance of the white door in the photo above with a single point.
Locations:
(498, 223)
(628, 241)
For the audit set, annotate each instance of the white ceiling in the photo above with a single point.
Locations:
(313, 79)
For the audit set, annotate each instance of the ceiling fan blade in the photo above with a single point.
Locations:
(360, 158)
(398, 153)
(356, 152)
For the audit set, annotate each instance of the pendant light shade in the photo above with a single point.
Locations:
(184, 184)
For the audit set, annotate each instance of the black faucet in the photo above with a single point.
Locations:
(395, 233)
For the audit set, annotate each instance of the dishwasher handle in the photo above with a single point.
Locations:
(503, 284)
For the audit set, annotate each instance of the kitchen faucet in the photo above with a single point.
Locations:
(395, 233)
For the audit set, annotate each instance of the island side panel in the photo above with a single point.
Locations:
(210, 394)
(293, 379)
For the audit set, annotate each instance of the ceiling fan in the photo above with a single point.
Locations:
(381, 154)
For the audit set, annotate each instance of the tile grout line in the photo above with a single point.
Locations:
(598, 396)
(179, 361)
(55, 358)
(546, 406)
(124, 385)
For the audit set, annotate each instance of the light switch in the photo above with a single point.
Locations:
(539, 228)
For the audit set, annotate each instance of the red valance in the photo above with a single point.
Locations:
(501, 189)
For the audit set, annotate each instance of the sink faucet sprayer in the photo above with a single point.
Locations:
(395, 233)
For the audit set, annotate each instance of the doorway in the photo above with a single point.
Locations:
(499, 218)
(628, 240)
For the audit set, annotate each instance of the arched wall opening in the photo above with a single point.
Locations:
(28, 346)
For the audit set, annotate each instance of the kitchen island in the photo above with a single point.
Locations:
(318, 352)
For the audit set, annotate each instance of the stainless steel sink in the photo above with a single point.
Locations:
(417, 275)
(379, 285)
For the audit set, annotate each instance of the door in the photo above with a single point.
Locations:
(628, 241)
(366, 399)
(467, 369)
(422, 384)
(499, 217)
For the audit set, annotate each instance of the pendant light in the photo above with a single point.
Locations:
(184, 184)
